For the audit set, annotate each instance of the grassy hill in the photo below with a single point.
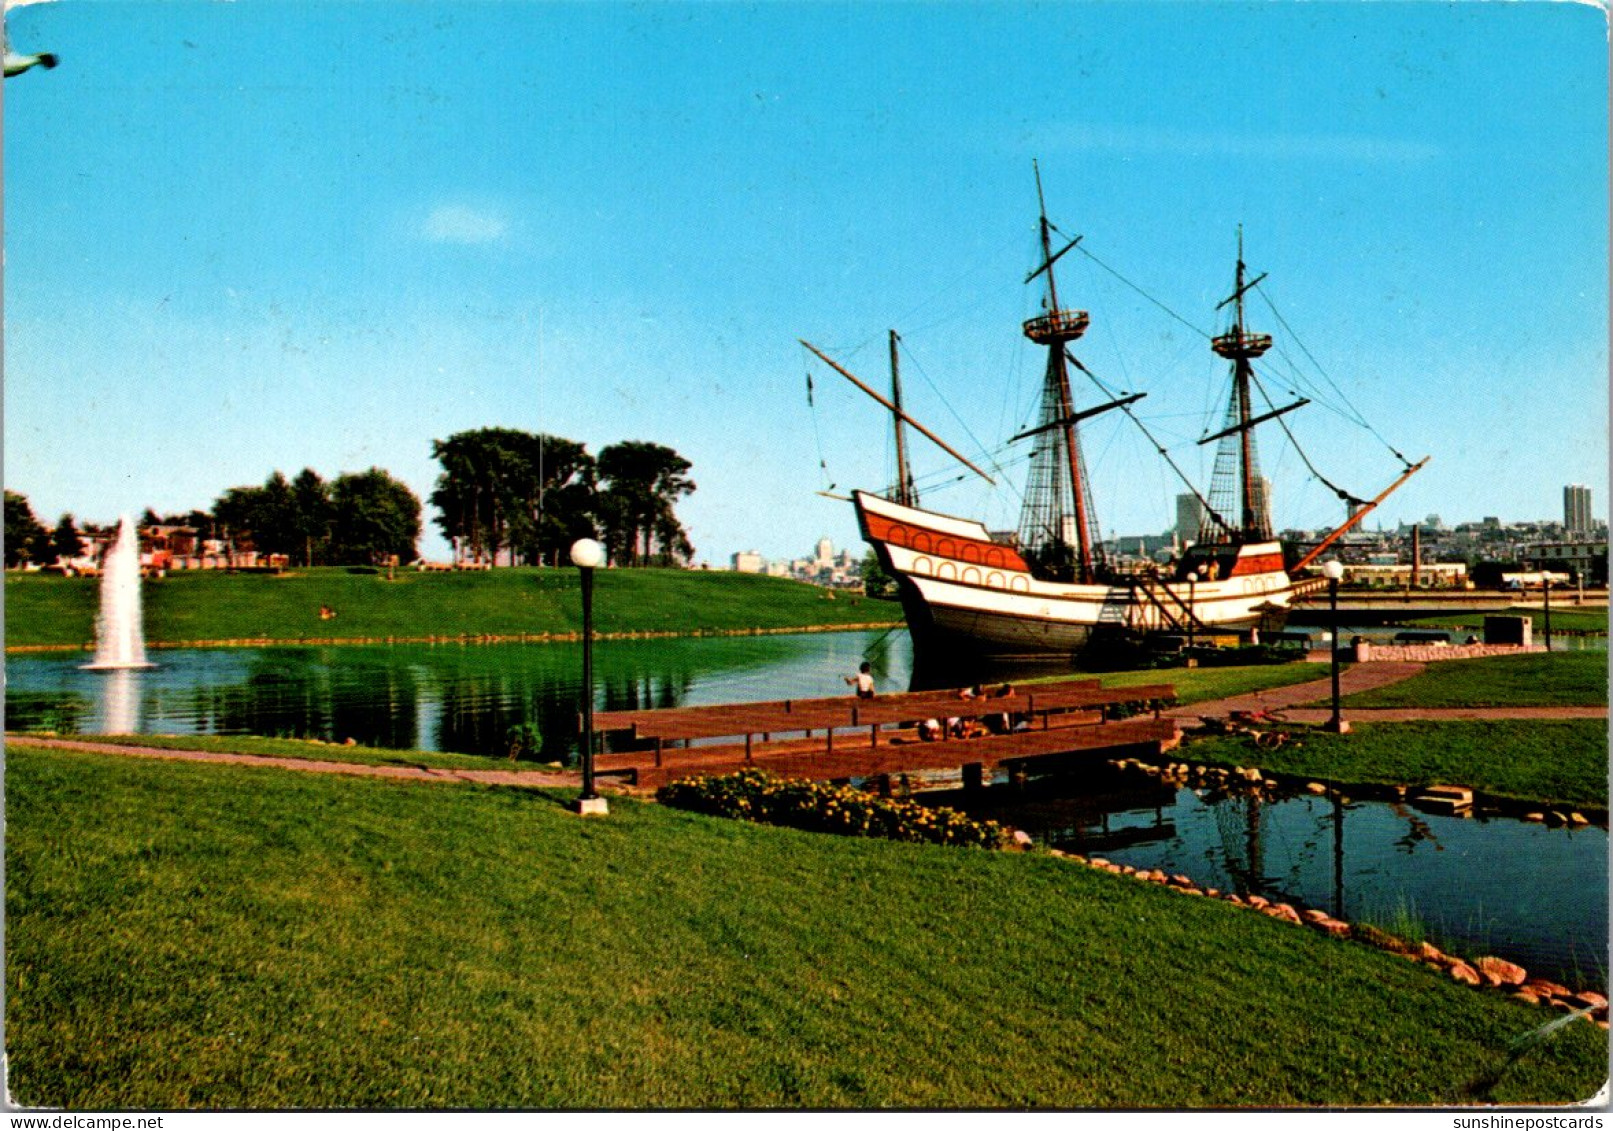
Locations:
(187, 936)
(195, 606)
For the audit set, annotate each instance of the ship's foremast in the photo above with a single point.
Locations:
(1240, 346)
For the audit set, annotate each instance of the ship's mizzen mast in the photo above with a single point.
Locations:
(906, 493)
(923, 431)
(1056, 495)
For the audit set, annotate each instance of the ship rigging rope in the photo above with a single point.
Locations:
(1201, 333)
(817, 436)
(1355, 412)
(1160, 448)
(1334, 487)
(979, 447)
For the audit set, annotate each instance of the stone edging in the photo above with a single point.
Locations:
(1480, 973)
(1486, 972)
(1367, 652)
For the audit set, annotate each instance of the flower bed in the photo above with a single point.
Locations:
(755, 795)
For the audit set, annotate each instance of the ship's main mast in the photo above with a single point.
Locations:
(1054, 329)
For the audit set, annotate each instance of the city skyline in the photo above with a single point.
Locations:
(324, 235)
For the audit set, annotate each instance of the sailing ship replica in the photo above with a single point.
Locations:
(1048, 591)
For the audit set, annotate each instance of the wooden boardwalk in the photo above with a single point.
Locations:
(845, 737)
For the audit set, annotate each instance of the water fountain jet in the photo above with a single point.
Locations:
(119, 637)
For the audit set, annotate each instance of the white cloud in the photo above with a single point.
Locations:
(458, 223)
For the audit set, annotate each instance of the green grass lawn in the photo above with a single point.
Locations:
(186, 936)
(1195, 685)
(1557, 762)
(1537, 679)
(1563, 619)
(200, 605)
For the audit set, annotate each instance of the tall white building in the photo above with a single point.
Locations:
(749, 561)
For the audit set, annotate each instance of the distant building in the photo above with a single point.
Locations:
(1430, 575)
(1585, 561)
(1189, 517)
(749, 561)
(1577, 509)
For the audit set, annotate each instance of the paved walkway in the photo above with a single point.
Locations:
(1356, 677)
(530, 779)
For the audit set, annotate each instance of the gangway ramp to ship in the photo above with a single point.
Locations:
(846, 737)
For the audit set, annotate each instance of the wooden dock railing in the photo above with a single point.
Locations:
(680, 739)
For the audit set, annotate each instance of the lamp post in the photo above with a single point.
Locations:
(1333, 570)
(1192, 609)
(587, 555)
(1545, 592)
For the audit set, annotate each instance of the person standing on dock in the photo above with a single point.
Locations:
(863, 680)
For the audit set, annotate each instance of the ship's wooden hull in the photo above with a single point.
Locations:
(966, 596)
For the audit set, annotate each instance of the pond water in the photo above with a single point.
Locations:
(447, 697)
(1523, 891)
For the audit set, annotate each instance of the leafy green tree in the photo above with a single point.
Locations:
(27, 540)
(504, 489)
(65, 541)
(642, 484)
(557, 508)
(312, 515)
(279, 517)
(876, 582)
(374, 517)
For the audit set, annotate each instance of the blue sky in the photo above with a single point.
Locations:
(247, 236)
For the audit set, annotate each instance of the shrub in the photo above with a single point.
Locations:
(1133, 707)
(523, 741)
(755, 795)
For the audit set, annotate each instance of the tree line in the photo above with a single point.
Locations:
(526, 497)
(504, 496)
(358, 518)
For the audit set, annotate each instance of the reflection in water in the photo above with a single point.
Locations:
(449, 697)
(1479, 885)
(118, 708)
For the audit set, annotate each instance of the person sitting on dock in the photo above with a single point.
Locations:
(930, 730)
(966, 728)
(1003, 723)
(863, 680)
